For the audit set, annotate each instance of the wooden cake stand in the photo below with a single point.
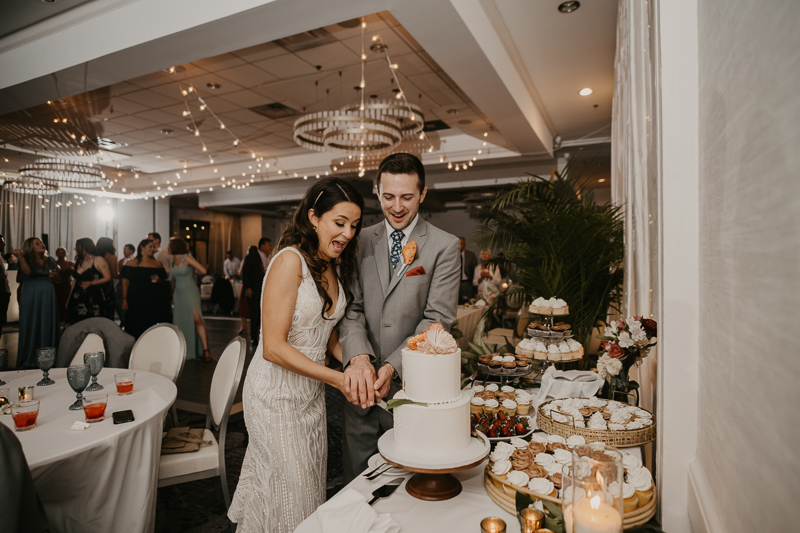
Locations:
(434, 480)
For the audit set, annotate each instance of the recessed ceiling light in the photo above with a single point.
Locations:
(49, 1)
(213, 86)
(569, 7)
(585, 92)
(601, 180)
(167, 131)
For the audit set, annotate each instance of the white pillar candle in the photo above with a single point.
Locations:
(595, 516)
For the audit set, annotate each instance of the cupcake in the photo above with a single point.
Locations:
(500, 454)
(476, 389)
(537, 447)
(510, 367)
(559, 306)
(521, 459)
(518, 443)
(494, 363)
(553, 353)
(556, 478)
(492, 387)
(523, 402)
(542, 486)
(509, 407)
(629, 500)
(566, 353)
(642, 482)
(538, 306)
(507, 388)
(501, 468)
(576, 440)
(629, 462)
(567, 494)
(518, 478)
(525, 348)
(535, 471)
(491, 406)
(476, 405)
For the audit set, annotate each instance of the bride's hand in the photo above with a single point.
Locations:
(359, 381)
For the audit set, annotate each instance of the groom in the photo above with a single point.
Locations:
(387, 309)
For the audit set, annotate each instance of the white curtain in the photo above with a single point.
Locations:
(26, 215)
(635, 164)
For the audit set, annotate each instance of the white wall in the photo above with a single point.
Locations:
(252, 231)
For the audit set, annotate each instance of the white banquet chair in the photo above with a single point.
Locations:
(92, 343)
(209, 460)
(161, 349)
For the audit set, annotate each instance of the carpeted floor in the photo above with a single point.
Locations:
(198, 507)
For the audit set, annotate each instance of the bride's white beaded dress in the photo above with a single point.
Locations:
(284, 469)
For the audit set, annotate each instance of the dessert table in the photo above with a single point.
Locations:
(467, 322)
(103, 478)
(462, 513)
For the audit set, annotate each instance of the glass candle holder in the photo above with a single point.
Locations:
(5, 402)
(25, 394)
(493, 525)
(530, 520)
(592, 496)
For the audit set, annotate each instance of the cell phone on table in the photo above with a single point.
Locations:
(121, 417)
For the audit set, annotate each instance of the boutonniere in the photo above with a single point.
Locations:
(409, 254)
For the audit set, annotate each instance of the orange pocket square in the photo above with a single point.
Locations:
(418, 271)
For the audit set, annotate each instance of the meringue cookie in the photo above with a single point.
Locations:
(596, 421)
(518, 478)
(616, 427)
(634, 424)
(501, 467)
(597, 446)
(562, 456)
(620, 416)
(541, 485)
(575, 440)
(517, 443)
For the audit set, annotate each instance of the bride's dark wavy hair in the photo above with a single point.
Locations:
(322, 197)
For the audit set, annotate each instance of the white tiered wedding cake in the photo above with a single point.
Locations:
(431, 376)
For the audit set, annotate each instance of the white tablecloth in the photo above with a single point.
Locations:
(105, 478)
(462, 513)
(467, 322)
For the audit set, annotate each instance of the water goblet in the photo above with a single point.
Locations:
(78, 378)
(3, 361)
(45, 358)
(95, 362)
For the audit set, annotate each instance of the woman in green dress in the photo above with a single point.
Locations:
(187, 310)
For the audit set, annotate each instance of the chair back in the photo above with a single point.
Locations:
(225, 382)
(92, 343)
(161, 350)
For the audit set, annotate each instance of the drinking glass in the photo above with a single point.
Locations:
(45, 358)
(25, 415)
(3, 361)
(124, 381)
(94, 407)
(95, 362)
(78, 378)
(593, 491)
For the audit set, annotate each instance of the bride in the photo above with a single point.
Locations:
(304, 295)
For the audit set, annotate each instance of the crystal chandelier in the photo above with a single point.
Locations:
(48, 176)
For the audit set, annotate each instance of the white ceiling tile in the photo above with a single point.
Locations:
(246, 75)
(158, 116)
(123, 106)
(286, 66)
(217, 63)
(330, 56)
(259, 52)
(118, 89)
(246, 99)
(135, 122)
(152, 99)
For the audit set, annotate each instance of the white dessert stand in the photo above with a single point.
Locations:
(433, 480)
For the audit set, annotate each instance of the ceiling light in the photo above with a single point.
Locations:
(585, 92)
(569, 7)
(601, 180)
(213, 86)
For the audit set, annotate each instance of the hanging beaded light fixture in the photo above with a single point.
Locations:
(45, 175)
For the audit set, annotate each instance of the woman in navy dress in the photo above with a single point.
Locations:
(142, 297)
(92, 293)
(38, 306)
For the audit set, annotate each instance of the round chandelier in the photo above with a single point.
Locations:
(347, 131)
(53, 174)
(411, 118)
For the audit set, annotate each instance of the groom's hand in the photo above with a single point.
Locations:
(384, 380)
(359, 381)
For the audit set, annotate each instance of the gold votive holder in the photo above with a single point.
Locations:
(531, 520)
(493, 525)
(25, 394)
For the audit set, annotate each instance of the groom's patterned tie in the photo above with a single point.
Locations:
(397, 248)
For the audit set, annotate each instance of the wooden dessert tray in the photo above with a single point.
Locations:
(504, 494)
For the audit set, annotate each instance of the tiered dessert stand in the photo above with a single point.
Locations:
(544, 336)
(434, 480)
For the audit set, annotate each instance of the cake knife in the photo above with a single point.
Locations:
(386, 490)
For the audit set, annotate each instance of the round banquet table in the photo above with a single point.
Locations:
(467, 322)
(103, 478)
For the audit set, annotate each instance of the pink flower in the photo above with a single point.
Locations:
(615, 351)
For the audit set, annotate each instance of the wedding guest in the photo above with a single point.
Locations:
(231, 265)
(92, 293)
(65, 270)
(38, 306)
(468, 264)
(142, 295)
(5, 288)
(264, 249)
(252, 278)
(244, 309)
(128, 252)
(187, 313)
(487, 278)
(107, 250)
(162, 256)
(12, 261)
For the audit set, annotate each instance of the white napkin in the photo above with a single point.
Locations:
(79, 426)
(558, 384)
(348, 512)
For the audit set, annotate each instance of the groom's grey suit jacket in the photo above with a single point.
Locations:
(387, 309)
